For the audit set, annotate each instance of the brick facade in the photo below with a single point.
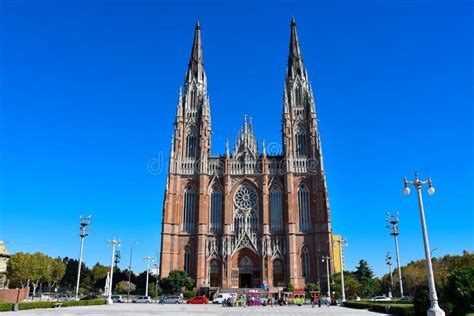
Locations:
(221, 222)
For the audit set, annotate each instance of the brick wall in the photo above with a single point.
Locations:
(12, 295)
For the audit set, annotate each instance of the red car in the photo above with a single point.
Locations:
(198, 300)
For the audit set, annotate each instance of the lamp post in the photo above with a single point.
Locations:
(434, 310)
(112, 242)
(342, 243)
(388, 260)
(130, 270)
(317, 267)
(84, 222)
(148, 260)
(327, 258)
(393, 221)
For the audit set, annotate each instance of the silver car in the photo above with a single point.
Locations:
(173, 300)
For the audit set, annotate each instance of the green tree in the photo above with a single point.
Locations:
(365, 276)
(122, 287)
(19, 269)
(459, 289)
(311, 287)
(56, 270)
(351, 284)
(177, 280)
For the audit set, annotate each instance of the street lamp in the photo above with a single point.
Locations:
(148, 260)
(327, 258)
(342, 243)
(388, 260)
(84, 222)
(130, 270)
(393, 221)
(112, 242)
(434, 310)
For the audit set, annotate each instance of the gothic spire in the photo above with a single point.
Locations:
(246, 142)
(196, 62)
(295, 59)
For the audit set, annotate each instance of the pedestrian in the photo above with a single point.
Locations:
(312, 301)
(319, 302)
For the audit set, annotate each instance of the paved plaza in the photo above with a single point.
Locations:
(189, 310)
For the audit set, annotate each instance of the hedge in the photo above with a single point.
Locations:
(189, 294)
(83, 303)
(6, 307)
(33, 305)
(394, 308)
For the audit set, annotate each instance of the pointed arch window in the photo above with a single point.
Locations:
(299, 97)
(189, 210)
(303, 209)
(187, 261)
(305, 264)
(300, 138)
(191, 144)
(276, 212)
(215, 224)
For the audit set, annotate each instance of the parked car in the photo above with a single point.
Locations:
(406, 299)
(142, 299)
(90, 297)
(65, 297)
(198, 300)
(171, 300)
(380, 299)
(219, 298)
(118, 299)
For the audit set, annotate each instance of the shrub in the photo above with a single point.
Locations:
(33, 305)
(189, 294)
(392, 308)
(6, 307)
(84, 303)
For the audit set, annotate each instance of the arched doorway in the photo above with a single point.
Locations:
(278, 273)
(245, 272)
(214, 273)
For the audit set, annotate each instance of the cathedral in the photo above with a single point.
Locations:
(246, 218)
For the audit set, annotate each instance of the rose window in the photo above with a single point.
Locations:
(245, 198)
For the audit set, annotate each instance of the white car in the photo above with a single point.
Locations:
(219, 298)
(380, 299)
(142, 299)
(65, 297)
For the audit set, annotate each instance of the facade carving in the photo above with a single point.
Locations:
(247, 217)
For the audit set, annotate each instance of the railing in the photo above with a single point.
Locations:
(216, 166)
(246, 167)
(300, 165)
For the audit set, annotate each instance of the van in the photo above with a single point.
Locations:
(219, 298)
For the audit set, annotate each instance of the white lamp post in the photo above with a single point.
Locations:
(148, 260)
(393, 221)
(85, 221)
(112, 242)
(342, 243)
(327, 258)
(434, 309)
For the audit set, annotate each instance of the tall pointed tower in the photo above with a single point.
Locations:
(185, 209)
(307, 200)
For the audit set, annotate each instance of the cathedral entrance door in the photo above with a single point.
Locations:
(245, 280)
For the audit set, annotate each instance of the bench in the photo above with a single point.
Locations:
(58, 305)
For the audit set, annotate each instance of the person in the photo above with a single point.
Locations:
(319, 302)
(312, 301)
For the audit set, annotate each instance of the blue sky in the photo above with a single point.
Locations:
(88, 95)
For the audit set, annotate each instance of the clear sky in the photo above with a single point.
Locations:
(88, 96)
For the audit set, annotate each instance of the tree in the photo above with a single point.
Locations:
(311, 287)
(177, 280)
(18, 269)
(351, 284)
(365, 276)
(122, 287)
(56, 270)
(69, 279)
(459, 289)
